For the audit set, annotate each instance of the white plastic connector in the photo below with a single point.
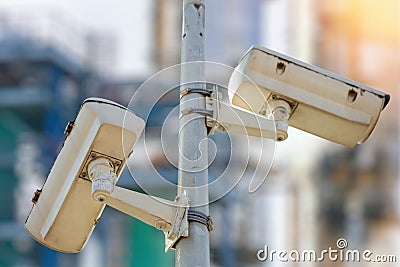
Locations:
(102, 173)
(281, 112)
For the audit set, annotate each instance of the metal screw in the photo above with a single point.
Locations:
(280, 68)
(160, 225)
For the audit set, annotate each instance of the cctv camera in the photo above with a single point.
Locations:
(306, 97)
(67, 208)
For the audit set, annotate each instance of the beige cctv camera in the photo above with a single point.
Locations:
(305, 97)
(69, 205)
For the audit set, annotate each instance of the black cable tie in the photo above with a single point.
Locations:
(196, 216)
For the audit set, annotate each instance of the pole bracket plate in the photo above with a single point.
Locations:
(180, 225)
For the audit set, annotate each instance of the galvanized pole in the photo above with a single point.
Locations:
(193, 173)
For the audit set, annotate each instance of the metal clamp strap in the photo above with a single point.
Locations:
(204, 92)
(204, 112)
(196, 216)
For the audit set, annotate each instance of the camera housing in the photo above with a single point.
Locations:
(321, 103)
(64, 213)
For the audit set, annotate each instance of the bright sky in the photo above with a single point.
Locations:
(129, 20)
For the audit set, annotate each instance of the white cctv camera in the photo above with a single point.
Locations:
(305, 97)
(69, 205)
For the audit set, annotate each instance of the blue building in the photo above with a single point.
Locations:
(42, 83)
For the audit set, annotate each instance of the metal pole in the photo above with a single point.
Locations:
(193, 173)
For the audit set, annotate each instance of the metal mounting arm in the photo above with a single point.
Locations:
(171, 217)
(150, 210)
(236, 120)
(227, 117)
(167, 216)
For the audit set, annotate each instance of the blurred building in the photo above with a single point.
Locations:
(45, 73)
(39, 91)
(167, 32)
(231, 29)
(359, 189)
